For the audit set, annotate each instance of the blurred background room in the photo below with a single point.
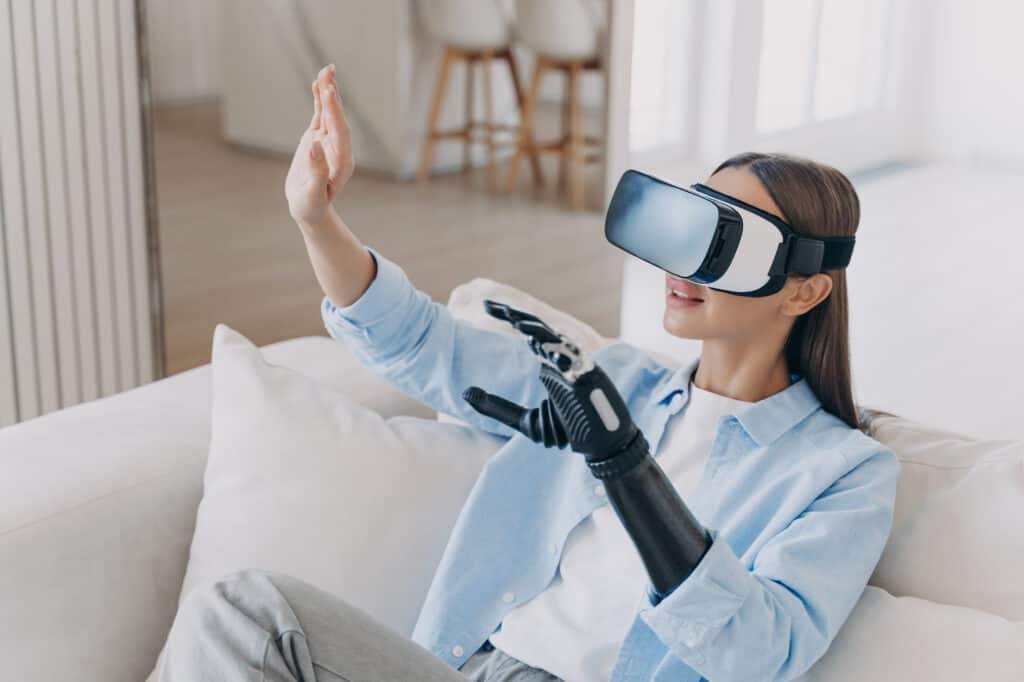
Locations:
(145, 146)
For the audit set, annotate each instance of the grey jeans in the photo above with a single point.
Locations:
(255, 625)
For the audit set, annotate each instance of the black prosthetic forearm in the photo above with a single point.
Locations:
(585, 411)
(670, 541)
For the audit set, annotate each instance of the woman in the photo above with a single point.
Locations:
(539, 580)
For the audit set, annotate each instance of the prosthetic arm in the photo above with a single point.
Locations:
(585, 411)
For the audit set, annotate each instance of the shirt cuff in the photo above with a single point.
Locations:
(690, 616)
(387, 289)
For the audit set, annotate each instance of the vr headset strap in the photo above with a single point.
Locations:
(838, 251)
(799, 255)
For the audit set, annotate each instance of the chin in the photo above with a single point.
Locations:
(676, 325)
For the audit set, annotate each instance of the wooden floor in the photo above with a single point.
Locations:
(230, 253)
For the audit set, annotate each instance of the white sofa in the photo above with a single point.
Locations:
(98, 505)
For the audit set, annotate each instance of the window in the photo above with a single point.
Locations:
(660, 91)
(820, 60)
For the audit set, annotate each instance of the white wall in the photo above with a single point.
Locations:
(267, 75)
(248, 53)
(970, 96)
(386, 73)
(975, 104)
(183, 48)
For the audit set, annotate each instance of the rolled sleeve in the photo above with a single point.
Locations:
(401, 335)
(773, 619)
(693, 614)
(386, 292)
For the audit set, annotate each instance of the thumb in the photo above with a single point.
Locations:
(493, 406)
(318, 162)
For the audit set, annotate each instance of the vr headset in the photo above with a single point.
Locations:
(714, 239)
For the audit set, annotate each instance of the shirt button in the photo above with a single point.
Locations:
(692, 633)
(457, 650)
(599, 490)
(677, 400)
(508, 597)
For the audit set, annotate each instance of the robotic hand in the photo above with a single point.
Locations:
(585, 411)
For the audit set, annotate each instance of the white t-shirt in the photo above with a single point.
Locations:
(573, 629)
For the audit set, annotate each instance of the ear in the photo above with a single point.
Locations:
(806, 292)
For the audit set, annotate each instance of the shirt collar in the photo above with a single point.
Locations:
(765, 420)
(768, 419)
(678, 381)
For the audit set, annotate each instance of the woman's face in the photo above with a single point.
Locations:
(708, 314)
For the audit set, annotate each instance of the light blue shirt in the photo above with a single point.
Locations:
(799, 505)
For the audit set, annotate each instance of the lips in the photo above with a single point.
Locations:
(682, 289)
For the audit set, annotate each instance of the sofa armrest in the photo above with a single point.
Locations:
(97, 507)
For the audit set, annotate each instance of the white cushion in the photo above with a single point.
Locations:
(954, 556)
(466, 302)
(956, 535)
(909, 639)
(302, 480)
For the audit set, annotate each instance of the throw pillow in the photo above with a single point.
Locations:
(302, 480)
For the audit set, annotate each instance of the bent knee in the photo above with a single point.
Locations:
(221, 624)
(227, 593)
(244, 580)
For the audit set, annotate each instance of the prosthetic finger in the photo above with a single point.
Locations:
(507, 313)
(540, 424)
(544, 341)
(528, 324)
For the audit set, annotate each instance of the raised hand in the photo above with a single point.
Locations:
(323, 160)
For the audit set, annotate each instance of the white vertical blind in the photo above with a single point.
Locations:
(75, 289)
(8, 388)
(69, 99)
(142, 254)
(52, 149)
(30, 219)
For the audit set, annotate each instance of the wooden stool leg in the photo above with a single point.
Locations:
(564, 131)
(468, 130)
(435, 116)
(575, 145)
(526, 143)
(492, 169)
(538, 174)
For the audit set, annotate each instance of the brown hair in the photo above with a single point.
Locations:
(817, 200)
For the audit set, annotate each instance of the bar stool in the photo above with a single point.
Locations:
(472, 31)
(565, 36)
